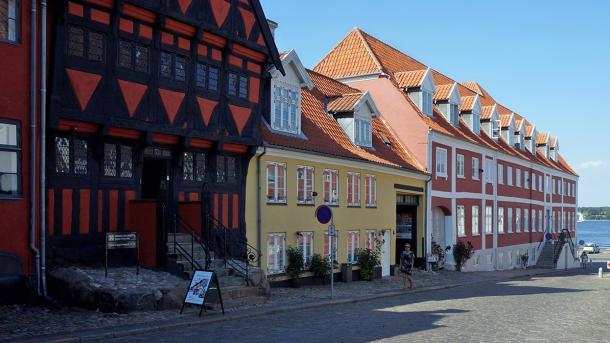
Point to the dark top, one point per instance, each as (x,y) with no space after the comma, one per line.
(406,261)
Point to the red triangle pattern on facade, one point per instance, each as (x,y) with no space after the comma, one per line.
(171,102)
(206,107)
(184,5)
(248,19)
(132,94)
(241,115)
(83,84)
(220,10)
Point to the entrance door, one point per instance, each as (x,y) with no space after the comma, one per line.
(438,227)
(156,186)
(154,178)
(385,254)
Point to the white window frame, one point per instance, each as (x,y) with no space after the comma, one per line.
(13,21)
(370,239)
(305,242)
(363,132)
(286,103)
(459,166)
(278,266)
(517,219)
(475,220)
(500,174)
(355,188)
(327,181)
(534,176)
(353,237)
(540,183)
(526,220)
(461,221)
(510,220)
(488,219)
(475,169)
(489,167)
(302,171)
(278,197)
(509,175)
(540,221)
(534,222)
(500,219)
(426,99)
(370,189)
(518,177)
(526,179)
(441,162)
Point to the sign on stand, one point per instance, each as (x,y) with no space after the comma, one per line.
(123,240)
(608,264)
(198,289)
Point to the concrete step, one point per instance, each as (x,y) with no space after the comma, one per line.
(237,303)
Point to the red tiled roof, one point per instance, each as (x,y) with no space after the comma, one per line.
(519,124)
(360,54)
(554,142)
(408,79)
(529,131)
(330,87)
(487,111)
(542,138)
(443,92)
(505,119)
(323,134)
(344,103)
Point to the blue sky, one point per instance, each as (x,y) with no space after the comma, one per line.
(547,60)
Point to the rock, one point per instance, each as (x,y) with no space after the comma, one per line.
(158,294)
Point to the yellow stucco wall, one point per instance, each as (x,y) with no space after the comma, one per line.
(291,218)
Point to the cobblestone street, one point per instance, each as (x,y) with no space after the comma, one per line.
(564,307)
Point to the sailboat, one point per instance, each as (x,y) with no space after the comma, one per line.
(581,218)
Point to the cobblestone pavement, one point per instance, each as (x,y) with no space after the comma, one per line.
(564,307)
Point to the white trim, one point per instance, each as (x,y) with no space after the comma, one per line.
(291,59)
(489,197)
(365,77)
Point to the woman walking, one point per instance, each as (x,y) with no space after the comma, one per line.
(406,266)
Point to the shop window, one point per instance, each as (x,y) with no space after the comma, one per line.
(276,252)
(305,243)
(9,23)
(276,182)
(305,177)
(10,168)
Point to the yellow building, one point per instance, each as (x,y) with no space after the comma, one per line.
(324,143)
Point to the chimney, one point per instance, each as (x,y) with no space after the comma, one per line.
(272,26)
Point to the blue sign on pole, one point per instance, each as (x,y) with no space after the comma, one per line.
(324,214)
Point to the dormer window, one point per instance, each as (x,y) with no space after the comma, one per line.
(454,114)
(426,102)
(362,132)
(286,108)
(495,129)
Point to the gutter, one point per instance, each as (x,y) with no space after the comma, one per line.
(32,183)
(43,147)
(259,210)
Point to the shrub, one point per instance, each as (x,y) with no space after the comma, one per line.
(369,260)
(295,263)
(319,267)
(461,254)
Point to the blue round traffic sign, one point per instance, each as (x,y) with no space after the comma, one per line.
(324,214)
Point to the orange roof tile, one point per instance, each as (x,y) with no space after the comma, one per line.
(554,141)
(344,103)
(486,99)
(443,92)
(542,138)
(529,131)
(467,103)
(409,79)
(323,134)
(505,119)
(487,112)
(330,87)
(519,124)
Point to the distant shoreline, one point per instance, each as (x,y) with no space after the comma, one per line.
(596,220)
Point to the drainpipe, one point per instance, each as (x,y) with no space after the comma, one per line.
(259,210)
(427,241)
(32,183)
(43,147)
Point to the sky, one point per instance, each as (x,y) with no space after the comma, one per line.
(548,60)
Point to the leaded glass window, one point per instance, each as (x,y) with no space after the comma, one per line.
(243,87)
(166,65)
(187,166)
(231,170)
(76,41)
(220,169)
(110,158)
(200,165)
(80,157)
(96,46)
(125,54)
(232,84)
(141,59)
(212,78)
(180,69)
(9,20)
(62,155)
(126,161)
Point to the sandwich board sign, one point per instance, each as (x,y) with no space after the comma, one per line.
(608,264)
(198,289)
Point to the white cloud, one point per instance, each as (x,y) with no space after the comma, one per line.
(594,164)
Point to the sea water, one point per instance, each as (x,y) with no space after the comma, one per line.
(594,231)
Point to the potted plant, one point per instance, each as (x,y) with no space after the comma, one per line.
(319,267)
(296,265)
(461,254)
(369,262)
(440,254)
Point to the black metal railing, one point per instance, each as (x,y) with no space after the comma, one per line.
(564,238)
(180,228)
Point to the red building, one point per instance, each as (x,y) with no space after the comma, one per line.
(498,182)
(152,114)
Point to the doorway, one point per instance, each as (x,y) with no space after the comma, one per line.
(406,224)
(155,178)
(385,253)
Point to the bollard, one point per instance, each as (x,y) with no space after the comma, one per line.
(600,273)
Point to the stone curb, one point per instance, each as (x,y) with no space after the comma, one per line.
(96,335)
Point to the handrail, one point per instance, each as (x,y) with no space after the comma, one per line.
(571,244)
